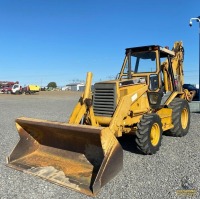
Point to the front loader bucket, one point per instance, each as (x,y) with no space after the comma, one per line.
(80,157)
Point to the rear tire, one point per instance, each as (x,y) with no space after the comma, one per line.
(149,133)
(180,117)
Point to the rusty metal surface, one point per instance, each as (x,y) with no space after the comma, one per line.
(79,157)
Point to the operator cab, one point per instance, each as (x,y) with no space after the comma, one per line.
(143,65)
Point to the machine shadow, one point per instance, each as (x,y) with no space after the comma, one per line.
(128,143)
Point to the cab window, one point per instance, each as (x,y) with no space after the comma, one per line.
(143,62)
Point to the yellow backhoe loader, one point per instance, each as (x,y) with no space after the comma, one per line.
(146,99)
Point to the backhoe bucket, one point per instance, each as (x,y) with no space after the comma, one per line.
(80,157)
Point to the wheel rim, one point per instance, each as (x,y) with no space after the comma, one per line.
(184,118)
(155,134)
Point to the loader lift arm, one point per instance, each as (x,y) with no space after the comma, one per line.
(73,155)
(83,112)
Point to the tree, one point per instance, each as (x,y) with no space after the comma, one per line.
(52,85)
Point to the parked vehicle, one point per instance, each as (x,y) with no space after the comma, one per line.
(30,89)
(6,86)
(6,89)
(16,89)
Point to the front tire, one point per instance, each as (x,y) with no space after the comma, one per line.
(180,117)
(149,133)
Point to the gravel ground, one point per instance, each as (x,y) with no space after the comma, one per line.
(156,176)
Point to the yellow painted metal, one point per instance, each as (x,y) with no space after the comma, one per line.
(79,157)
(123,109)
(93,120)
(188,95)
(166,81)
(172,96)
(155,134)
(103,120)
(132,101)
(184,118)
(75,113)
(129,89)
(87,91)
(142,105)
(33,87)
(177,67)
(121,74)
(80,108)
(130,120)
(165,115)
(80,114)
(129,112)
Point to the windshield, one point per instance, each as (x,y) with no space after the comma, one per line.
(143,62)
(138,62)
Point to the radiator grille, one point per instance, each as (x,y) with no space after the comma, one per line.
(104,99)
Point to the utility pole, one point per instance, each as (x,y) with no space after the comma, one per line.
(197,19)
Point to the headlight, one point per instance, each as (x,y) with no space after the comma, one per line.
(153,98)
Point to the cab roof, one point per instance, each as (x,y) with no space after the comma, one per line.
(163,51)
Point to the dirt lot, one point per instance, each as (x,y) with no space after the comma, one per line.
(45,93)
(176,165)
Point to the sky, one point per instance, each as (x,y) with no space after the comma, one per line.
(61,40)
